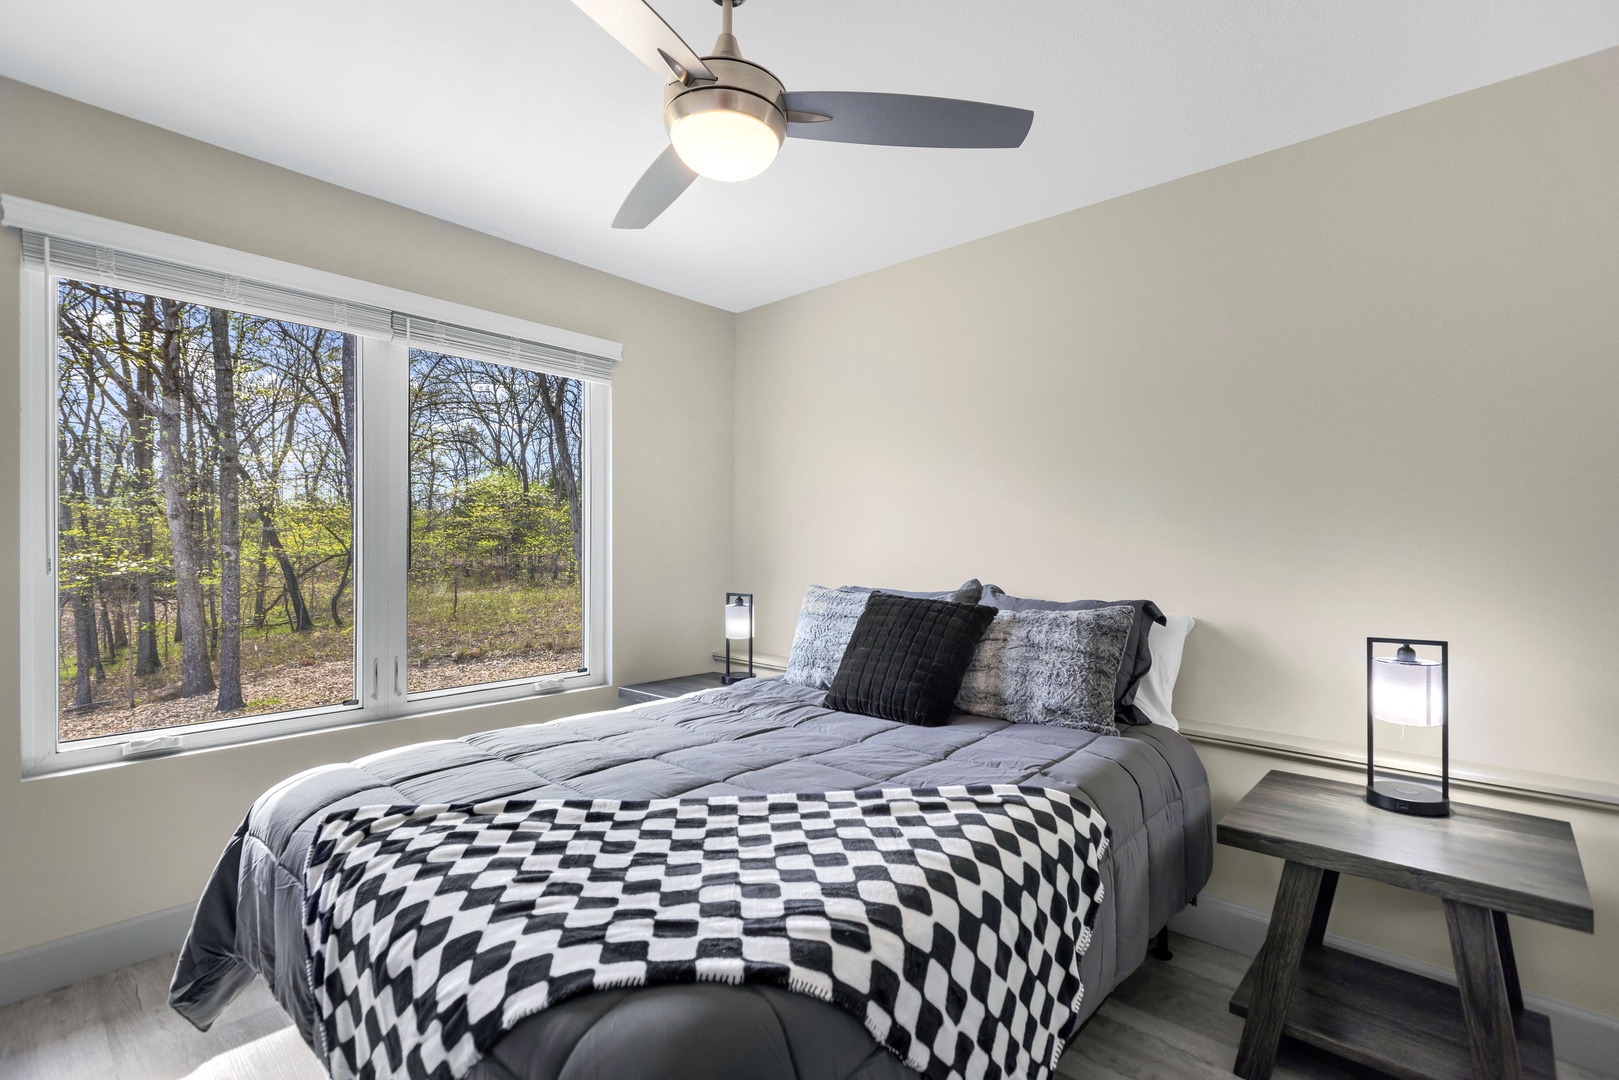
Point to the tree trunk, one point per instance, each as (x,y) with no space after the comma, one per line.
(107,634)
(87,641)
(140,426)
(230,520)
(84,646)
(554,399)
(196,674)
(203,503)
(92,639)
(342,583)
(146,658)
(140,430)
(349,360)
(300,620)
(347,422)
(83,620)
(261,610)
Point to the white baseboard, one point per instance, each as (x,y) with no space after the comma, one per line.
(773,664)
(94,952)
(1582,1037)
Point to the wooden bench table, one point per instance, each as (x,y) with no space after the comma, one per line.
(1483,863)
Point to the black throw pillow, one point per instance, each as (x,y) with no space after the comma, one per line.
(907,657)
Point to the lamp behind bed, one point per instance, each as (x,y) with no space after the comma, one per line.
(738,625)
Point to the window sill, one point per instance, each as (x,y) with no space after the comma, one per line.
(107,753)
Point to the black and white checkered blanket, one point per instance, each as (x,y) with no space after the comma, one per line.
(951,921)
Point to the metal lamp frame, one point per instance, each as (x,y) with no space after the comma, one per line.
(737,676)
(1384,800)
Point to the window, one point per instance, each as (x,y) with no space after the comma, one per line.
(495,523)
(272,501)
(205,522)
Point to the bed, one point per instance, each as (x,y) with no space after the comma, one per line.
(758,737)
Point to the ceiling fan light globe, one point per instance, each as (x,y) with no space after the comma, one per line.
(724,144)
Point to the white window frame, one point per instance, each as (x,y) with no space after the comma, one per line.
(381,498)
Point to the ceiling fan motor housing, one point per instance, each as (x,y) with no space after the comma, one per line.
(740,86)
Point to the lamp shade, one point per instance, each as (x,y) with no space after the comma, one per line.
(724,144)
(1408,690)
(738,621)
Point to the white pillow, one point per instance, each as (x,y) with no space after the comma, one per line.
(1155,694)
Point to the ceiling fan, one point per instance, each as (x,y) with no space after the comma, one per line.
(727,116)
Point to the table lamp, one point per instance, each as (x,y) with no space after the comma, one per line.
(738,625)
(1411,691)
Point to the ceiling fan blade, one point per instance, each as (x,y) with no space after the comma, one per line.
(904,120)
(655,192)
(642,30)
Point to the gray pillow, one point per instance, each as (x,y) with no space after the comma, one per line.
(1049,667)
(969,592)
(1137,655)
(828,618)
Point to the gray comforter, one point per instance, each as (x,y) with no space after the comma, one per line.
(761,737)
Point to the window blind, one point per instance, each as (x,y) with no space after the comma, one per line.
(444,337)
(122,269)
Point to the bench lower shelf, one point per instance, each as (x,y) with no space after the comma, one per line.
(1405,1025)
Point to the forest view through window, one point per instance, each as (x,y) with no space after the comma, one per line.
(262,500)
(496,527)
(205,532)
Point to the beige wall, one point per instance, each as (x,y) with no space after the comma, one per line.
(79,852)
(1361,385)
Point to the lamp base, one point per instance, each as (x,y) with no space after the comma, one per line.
(1405,797)
(735,677)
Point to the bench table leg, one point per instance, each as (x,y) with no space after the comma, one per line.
(1278,963)
(1487,1003)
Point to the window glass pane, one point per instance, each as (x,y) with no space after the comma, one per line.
(494,585)
(205,524)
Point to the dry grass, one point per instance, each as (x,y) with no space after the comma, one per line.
(519,620)
(486,635)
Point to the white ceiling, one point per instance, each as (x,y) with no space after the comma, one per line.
(523,119)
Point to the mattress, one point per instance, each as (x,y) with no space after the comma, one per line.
(758,737)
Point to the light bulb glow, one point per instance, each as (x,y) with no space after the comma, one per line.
(738,621)
(723,144)
(1410,693)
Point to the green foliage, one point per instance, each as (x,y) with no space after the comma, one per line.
(491,529)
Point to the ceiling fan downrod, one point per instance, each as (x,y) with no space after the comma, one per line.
(726,44)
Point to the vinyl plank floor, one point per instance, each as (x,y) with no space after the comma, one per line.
(1168,1021)
(119,1025)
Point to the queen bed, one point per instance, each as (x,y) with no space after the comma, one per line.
(759,737)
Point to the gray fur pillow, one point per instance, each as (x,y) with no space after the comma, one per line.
(827,619)
(1049,667)
(825,622)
